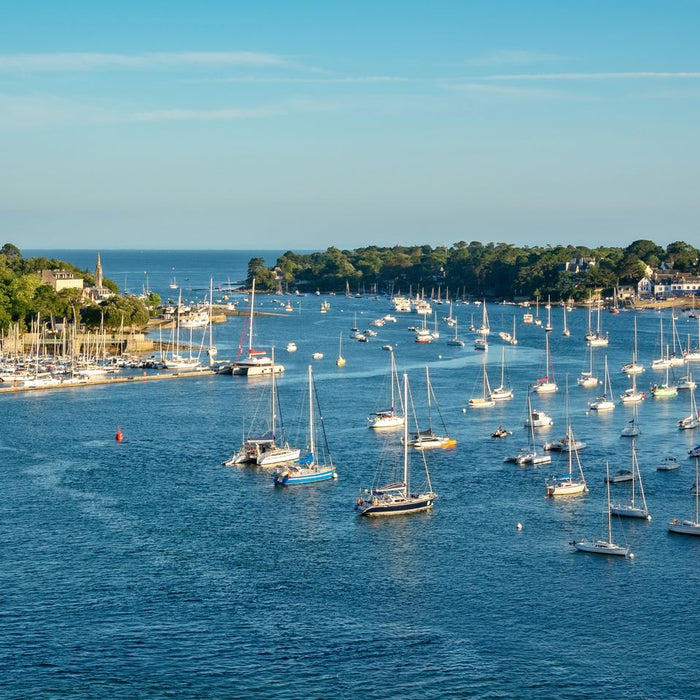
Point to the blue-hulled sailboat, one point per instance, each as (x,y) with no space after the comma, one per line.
(317,464)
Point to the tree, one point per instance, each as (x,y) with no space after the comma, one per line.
(683,256)
(10,251)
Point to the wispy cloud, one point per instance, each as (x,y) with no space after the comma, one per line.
(65,62)
(201,115)
(340,80)
(506,91)
(641,75)
(512,57)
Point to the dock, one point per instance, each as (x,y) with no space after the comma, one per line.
(102,381)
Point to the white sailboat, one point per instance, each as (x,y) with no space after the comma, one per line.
(692,420)
(455,340)
(546,384)
(665,389)
(604,402)
(532,456)
(272,454)
(485,400)
(391,417)
(397,497)
(503,392)
(261,447)
(484,329)
(634,367)
(636,507)
(317,464)
(603,546)
(548,327)
(663,361)
(586,379)
(176,360)
(255,362)
(427,439)
(693,354)
(565,332)
(598,338)
(569,484)
(689,526)
(675,357)
(340,362)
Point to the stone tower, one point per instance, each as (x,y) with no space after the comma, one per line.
(98,273)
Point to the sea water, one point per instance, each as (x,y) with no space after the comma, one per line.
(147,569)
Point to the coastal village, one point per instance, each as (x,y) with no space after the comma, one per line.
(59,354)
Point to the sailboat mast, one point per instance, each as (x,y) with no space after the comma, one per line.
(427,386)
(406,475)
(312,446)
(273,395)
(607,481)
(250,322)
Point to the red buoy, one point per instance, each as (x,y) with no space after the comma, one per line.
(119,436)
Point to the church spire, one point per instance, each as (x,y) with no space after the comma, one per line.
(98,272)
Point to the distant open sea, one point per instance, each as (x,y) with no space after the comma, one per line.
(146,569)
(134,270)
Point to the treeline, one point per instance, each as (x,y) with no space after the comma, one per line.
(23,296)
(494,270)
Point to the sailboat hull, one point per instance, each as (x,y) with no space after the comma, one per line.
(397,505)
(630,511)
(277,456)
(684,527)
(304,476)
(602,547)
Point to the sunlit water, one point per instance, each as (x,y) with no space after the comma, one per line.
(147,569)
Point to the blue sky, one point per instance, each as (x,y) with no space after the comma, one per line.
(307,124)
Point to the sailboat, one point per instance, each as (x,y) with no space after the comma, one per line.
(604,546)
(604,402)
(632,428)
(502,392)
(273,453)
(693,354)
(390,417)
(689,526)
(569,484)
(676,357)
(636,507)
(262,448)
(692,420)
(317,463)
(531,456)
(455,340)
(546,384)
(428,439)
(633,367)
(176,360)
(598,338)
(484,329)
(566,332)
(256,362)
(397,497)
(341,360)
(548,327)
(665,389)
(663,361)
(586,378)
(485,400)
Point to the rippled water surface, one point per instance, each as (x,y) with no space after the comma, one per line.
(147,569)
